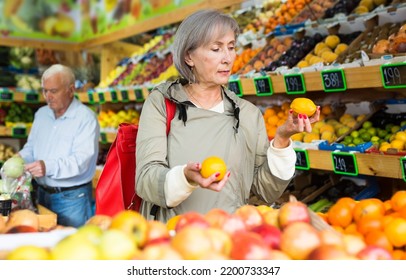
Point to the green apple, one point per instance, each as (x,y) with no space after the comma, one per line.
(133,224)
(75,247)
(29,252)
(90,232)
(117,245)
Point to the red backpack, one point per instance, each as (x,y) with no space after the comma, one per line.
(115,190)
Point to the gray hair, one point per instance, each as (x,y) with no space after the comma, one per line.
(67,75)
(198,30)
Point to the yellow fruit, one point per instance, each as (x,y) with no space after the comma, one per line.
(326,109)
(297,137)
(171,224)
(361,10)
(213,165)
(397,144)
(319,47)
(401,135)
(309,137)
(332,41)
(327,127)
(29,252)
(340,48)
(302,64)
(303,105)
(329,57)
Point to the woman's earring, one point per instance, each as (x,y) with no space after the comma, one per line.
(193,77)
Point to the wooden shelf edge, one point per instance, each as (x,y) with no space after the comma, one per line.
(368,164)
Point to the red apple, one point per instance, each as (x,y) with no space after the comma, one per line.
(191,219)
(299,239)
(249,246)
(271,217)
(233,225)
(270,234)
(192,242)
(157,233)
(353,244)
(293,211)
(21,229)
(331,237)
(250,215)
(216,217)
(329,252)
(133,224)
(279,255)
(373,252)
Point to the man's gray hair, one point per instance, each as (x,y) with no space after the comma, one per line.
(68,77)
(196,30)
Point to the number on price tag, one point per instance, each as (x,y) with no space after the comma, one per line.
(138,95)
(124,95)
(302,159)
(344,163)
(19,132)
(113,96)
(294,83)
(403,166)
(333,80)
(6,96)
(263,86)
(32,97)
(235,86)
(102,100)
(394,75)
(103,137)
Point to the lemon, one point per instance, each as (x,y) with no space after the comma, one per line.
(213,165)
(332,41)
(397,144)
(303,105)
(401,135)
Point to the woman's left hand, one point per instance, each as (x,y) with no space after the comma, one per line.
(294,124)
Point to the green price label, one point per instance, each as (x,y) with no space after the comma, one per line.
(294,83)
(6,96)
(333,80)
(90,97)
(139,96)
(102,100)
(263,86)
(103,137)
(302,159)
(394,75)
(113,96)
(344,163)
(32,97)
(19,132)
(235,86)
(124,96)
(403,166)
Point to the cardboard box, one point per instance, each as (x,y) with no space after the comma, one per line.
(47,218)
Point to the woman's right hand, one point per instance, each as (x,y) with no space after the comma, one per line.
(192,174)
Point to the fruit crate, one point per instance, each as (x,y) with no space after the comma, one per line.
(361,148)
(47,218)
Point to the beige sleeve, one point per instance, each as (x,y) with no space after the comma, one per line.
(282,161)
(177,188)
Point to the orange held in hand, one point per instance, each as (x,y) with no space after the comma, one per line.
(213,165)
(302,105)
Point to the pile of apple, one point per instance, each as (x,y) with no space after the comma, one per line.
(252,232)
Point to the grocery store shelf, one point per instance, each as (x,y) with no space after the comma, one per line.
(368,164)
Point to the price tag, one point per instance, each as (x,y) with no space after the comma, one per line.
(6,96)
(294,83)
(113,95)
(394,75)
(124,95)
(102,100)
(302,159)
(139,96)
(333,80)
(103,137)
(19,132)
(263,86)
(32,97)
(344,163)
(90,97)
(403,166)
(235,86)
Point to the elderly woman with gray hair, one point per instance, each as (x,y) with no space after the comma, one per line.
(210,121)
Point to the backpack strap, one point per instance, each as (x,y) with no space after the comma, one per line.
(170,113)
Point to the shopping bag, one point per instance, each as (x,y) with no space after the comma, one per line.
(115,189)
